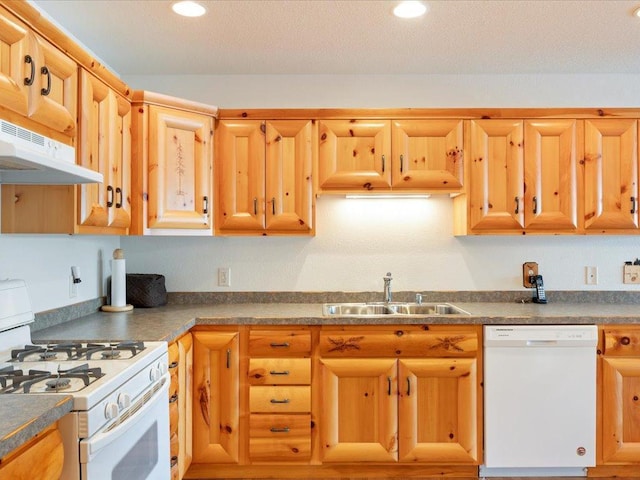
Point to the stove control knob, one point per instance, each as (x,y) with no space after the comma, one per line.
(124,401)
(163,368)
(110,411)
(154,374)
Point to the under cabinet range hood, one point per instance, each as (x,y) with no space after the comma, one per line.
(27,157)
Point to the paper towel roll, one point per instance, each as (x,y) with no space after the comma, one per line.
(118,283)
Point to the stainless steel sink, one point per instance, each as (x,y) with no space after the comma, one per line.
(392,308)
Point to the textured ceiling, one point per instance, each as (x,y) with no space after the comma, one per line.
(139,37)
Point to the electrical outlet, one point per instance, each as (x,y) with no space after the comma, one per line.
(73,288)
(529,269)
(631,274)
(224,277)
(591,275)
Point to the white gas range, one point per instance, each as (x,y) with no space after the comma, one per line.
(119,425)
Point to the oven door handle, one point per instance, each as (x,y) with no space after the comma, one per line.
(89,448)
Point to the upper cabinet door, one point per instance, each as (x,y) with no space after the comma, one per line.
(289,183)
(550,174)
(120,162)
(180,149)
(427,154)
(240,163)
(53,95)
(354,155)
(14,94)
(611,174)
(496,175)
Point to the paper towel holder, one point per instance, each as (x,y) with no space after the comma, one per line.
(118,256)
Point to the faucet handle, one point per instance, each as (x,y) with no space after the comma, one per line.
(419,298)
(388,276)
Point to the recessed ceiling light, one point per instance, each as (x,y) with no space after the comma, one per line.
(188,9)
(636,12)
(410,9)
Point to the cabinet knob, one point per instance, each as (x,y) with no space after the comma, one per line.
(625,340)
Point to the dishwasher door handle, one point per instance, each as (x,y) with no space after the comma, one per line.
(541,343)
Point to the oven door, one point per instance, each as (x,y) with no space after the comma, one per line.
(136,448)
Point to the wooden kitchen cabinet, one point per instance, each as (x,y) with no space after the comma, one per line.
(181,404)
(216,393)
(401,394)
(37,81)
(42,457)
(611,175)
(523,177)
(264,177)
(415,155)
(104,145)
(171,169)
(618,424)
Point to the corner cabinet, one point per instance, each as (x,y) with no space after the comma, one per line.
(171,166)
(216,394)
(264,177)
(104,145)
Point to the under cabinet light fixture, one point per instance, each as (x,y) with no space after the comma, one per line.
(387,195)
(188,9)
(410,9)
(636,12)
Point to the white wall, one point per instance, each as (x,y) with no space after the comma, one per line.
(358,241)
(44,262)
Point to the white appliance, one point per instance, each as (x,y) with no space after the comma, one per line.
(27,157)
(539,400)
(119,425)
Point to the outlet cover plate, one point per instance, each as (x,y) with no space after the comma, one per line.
(631,274)
(529,269)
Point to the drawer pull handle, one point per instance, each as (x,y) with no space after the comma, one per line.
(284,400)
(255,205)
(280,345)
(174,398)
(279,430)
(383,163)
(389,386)
(275,372)
(273,205)
(408,387)
(401,163)
(173,364)
(229,358)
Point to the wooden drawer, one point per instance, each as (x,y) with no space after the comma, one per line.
(399,342)
(279,437)
(621,341)
(278,343)
(280,371)
(279,399)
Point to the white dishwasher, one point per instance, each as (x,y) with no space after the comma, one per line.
(539,400)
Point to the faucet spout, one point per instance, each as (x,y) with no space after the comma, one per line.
(387,287)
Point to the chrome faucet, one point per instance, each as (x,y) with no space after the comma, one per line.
(387,287)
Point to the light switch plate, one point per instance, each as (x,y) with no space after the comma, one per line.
(631,274)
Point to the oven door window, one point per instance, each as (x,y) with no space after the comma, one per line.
(137,448)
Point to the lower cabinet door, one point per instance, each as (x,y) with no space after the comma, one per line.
(438,410)
(359,411)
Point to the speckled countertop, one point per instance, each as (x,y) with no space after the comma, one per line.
(24,416)
(167,323)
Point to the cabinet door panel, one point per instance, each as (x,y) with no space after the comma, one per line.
(13,48)
(57,108)
(289,186)
(179,169)
(240,164)
(120,162)
(496,173)
(620,415)
(359,415)
(611,174)
(550,196)
(185,403)
(215,389)
(427,154)
(438,411)
(354,155)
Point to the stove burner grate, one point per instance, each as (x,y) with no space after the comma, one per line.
(47,352)
(8,373)
(112,350)
(83,372)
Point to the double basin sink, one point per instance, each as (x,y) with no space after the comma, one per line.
(390,308)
